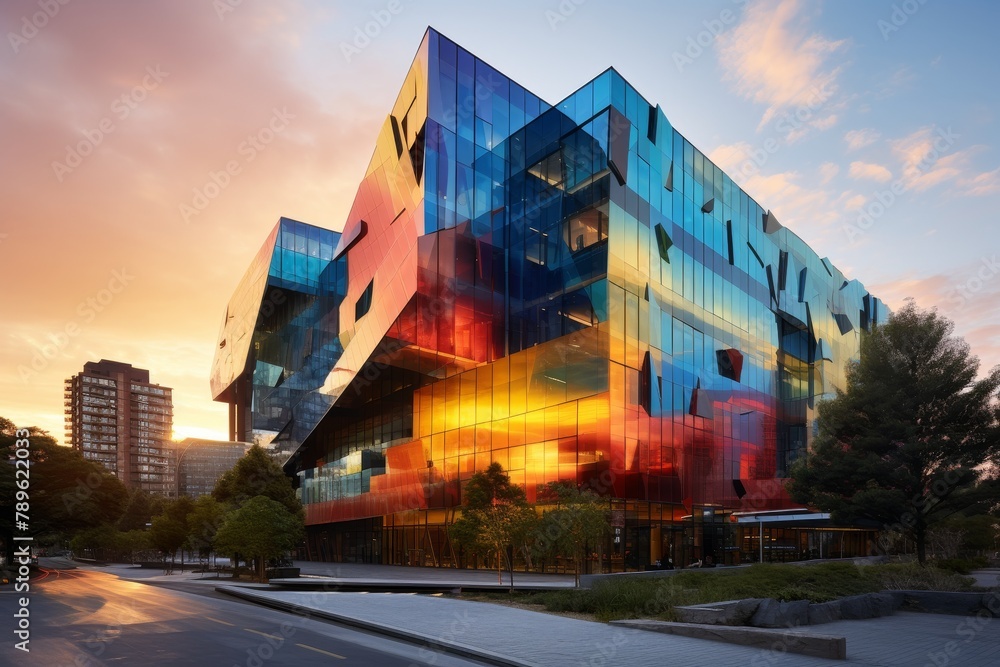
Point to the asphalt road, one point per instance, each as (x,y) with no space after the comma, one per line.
(85,618)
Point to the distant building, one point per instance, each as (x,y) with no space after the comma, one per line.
(117,417)
(200,463)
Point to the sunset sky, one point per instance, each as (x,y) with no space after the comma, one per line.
(870,128)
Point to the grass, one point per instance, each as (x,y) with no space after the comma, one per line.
(632,597)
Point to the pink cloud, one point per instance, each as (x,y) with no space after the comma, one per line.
(220,82)
(774,57)
(869,171)
(857,139)
(963,297)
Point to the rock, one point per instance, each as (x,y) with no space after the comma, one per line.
(898,598)
(868,605)
(732,612)
(773,614)
(887,603)
(769,641)
(824,612)
(945,602)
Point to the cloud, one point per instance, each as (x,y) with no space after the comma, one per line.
(962,296)
(827,171)
(869,171)
(774,57)
(795,204)
(801,131)
(928,158)
(119,208)
(853,202)
(860,138)
(826,122)
(982,184)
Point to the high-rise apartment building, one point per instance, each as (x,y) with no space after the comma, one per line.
(573,290)
(118,418)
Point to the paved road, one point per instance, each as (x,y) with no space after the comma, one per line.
(87,618)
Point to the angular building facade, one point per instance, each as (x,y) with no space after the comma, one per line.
(574,291)
(118,418)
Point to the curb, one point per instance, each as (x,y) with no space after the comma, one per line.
(422,640)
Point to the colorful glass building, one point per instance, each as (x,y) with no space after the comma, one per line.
(574,291)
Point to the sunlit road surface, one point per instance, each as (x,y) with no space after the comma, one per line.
(87,618)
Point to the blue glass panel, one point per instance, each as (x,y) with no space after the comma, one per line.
(530,106)
(617,91)
(487,80)
(501,120)
(484,133)
(443,107)
(602,91)
(464,194)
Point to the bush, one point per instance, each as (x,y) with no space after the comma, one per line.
(913,577)
(962,565)
(630,597)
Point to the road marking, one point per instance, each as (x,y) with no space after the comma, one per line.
(319,650)
(264,634)
(218,621)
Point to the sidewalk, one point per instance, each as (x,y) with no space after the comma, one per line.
(531,638)
(987,578)
(509,636)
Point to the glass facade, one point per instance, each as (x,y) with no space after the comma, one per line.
(574,291)
(279,338)
(200,464)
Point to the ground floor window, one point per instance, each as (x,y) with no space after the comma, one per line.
(643,536)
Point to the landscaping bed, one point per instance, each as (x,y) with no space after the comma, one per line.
(623,598)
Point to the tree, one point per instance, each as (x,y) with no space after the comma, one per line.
(256,474)
(579,520)
(101,542)
(169,531)
(139,510)
(261,529)
(133,541)
(495,514)
(67,492)
(980,533)
(204,522)
(903,444)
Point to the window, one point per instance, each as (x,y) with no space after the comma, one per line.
(585,229)
(364,302)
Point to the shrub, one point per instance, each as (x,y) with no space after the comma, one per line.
(961,565)
(630,597)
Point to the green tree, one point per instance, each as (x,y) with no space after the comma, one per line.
(133,541)
(204,522)
(261,529)
(903,443)
(495,516)
(168,535)
(101,542)
(579,521)
(67,493)
(256,474)
(981,533)
(169,531)
(139,510)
